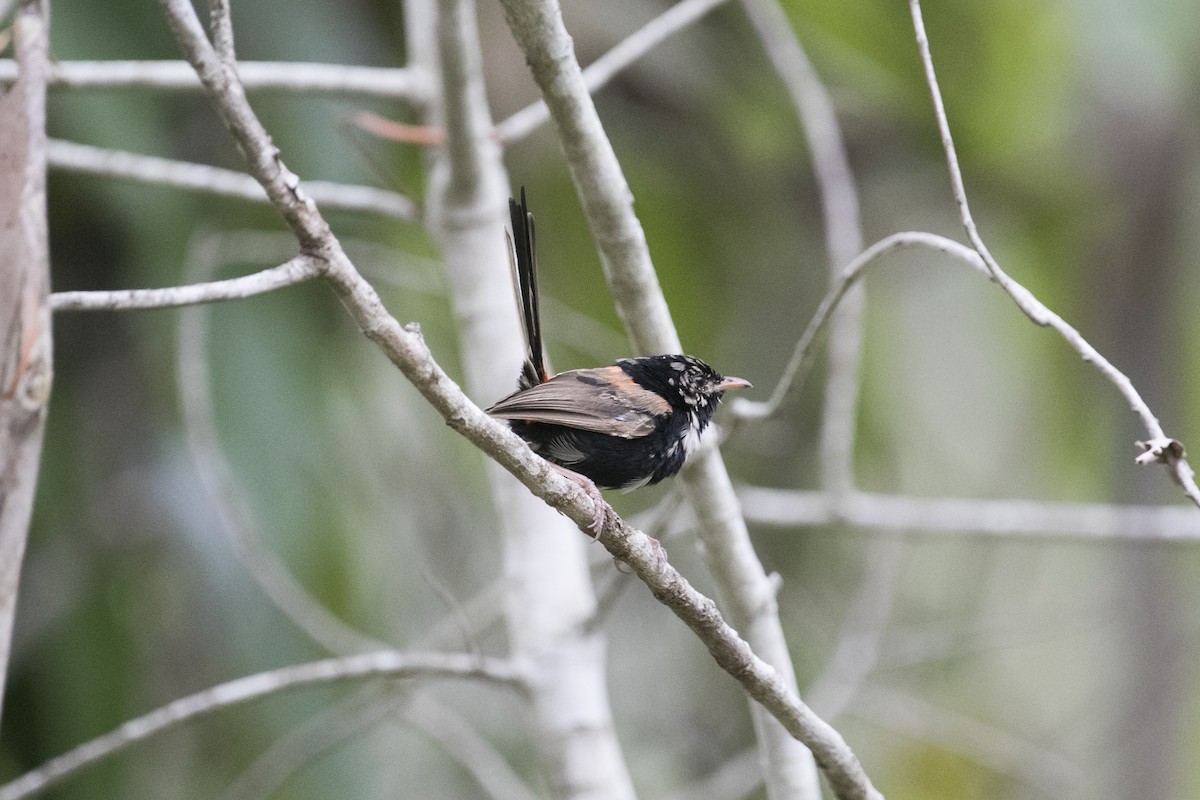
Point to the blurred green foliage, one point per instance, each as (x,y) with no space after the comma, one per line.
(1076,126)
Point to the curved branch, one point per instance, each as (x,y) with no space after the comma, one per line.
(1160,447)
(797,368)
(385,664)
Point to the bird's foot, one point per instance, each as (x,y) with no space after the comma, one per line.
(601,510)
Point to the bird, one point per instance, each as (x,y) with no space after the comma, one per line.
(624,426)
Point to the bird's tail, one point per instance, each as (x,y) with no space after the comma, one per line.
(524,267)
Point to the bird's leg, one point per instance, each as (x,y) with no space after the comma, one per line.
(601,507)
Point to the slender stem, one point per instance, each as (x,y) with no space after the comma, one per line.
(597,74)
(789,509)
(1160,447)
(384,664)
(797,368)
(336,79)
(298,270)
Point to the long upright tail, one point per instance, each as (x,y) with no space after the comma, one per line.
(525,274)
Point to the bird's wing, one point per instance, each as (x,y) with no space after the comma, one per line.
(604,400)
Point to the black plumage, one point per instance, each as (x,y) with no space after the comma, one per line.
(624,426)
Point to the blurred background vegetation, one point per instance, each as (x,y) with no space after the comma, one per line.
(1077,126)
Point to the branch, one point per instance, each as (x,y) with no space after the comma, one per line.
(405,347)
(797,368)
(604,194)
(25,328)
(214,180)
(385,664)
(1160,447)
(576,739)
(336,79)
(788,508)
(298,270)
(597,74)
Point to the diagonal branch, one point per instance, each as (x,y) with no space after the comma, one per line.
(383,664)
(25,327)
(597,74)
(747,591)
(407,350)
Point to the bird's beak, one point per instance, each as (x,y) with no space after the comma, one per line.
(733,383)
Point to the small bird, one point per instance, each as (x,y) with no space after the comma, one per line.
(621,427)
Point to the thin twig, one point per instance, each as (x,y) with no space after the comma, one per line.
(215,180)
(597,74)
(335,79)
(298,270)
(797,368)
(1160,447)
(385,664)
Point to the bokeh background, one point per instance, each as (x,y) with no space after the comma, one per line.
(1003,668)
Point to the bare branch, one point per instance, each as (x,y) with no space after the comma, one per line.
(597,74)
(214,180)
(385,664)
(788,508)
(25,329)
(604,194)
(547,609)
(1160,447)
(298,270)
(599,181)
(221,23)
(797,368)
(337,79)
(406,349)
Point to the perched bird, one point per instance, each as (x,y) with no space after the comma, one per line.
(620,427)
